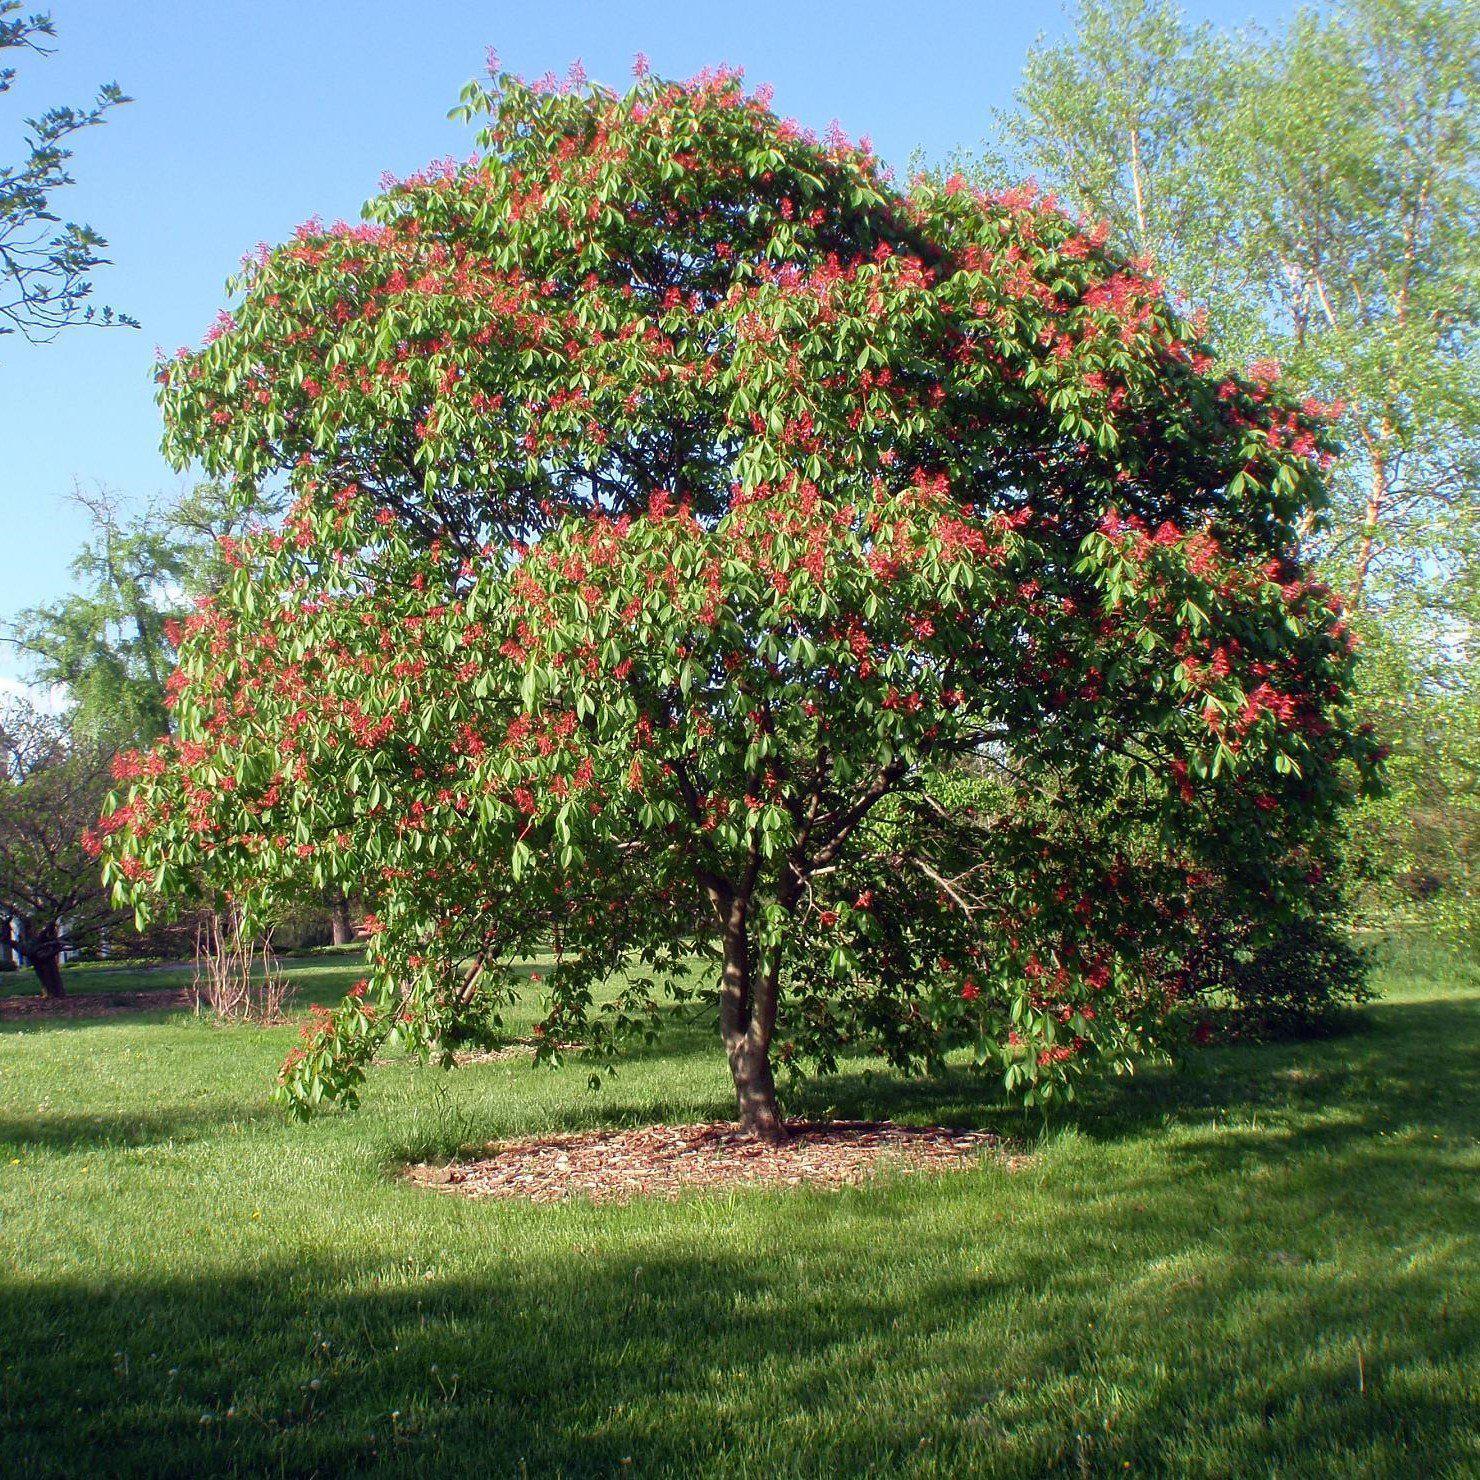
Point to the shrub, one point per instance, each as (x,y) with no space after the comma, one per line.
(1291,985)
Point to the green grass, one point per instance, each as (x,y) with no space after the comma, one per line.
(317,976)
(1260,1264)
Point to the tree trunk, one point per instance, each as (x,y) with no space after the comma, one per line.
(1140,197)
(1377,499)
(340,923)
(41,948)
(7,953)
(755,1090)
(1367,545)
(49,974)
(747,1015)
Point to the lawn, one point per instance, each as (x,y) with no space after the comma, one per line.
(318,976)
(1261,1263)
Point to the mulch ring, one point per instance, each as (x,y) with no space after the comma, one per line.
(97,1004)
(666,1160)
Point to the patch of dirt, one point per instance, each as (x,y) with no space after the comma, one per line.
(96,1004)
(521,1049)
(666,1160)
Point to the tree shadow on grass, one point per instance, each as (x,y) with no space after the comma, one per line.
(802,1345)
(91,993)
(1275,1288)
(1368,1081)
(178,1013)
(80,1132)
(1382,1073)
(134,1017)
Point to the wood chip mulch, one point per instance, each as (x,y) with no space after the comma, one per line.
(97,1004)
(666,1160)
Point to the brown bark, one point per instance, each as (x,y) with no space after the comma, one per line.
(340,923)
(747,1017)
(49,974)
(755,1091)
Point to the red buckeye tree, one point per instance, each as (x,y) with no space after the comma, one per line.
(701,545)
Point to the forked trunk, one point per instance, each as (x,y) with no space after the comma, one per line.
(747,1015)
(755,1091)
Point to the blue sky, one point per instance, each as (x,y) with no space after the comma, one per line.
(252,115)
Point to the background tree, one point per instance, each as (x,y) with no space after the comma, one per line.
(1315,193)
(109,645)
(678,506)
(1118,118)
(52,783)
(1414,853)
(46,264)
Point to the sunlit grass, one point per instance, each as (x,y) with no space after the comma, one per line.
(1260,1263)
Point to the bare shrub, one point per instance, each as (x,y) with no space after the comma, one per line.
(236,973)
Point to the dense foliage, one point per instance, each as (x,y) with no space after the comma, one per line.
(1297,983)
(1313,191)
(679,507)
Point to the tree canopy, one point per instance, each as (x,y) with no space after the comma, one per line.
(701,543)
(1314,192)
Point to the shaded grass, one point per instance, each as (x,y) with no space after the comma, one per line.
(1261,1262)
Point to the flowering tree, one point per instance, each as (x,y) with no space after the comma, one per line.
(700,544)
